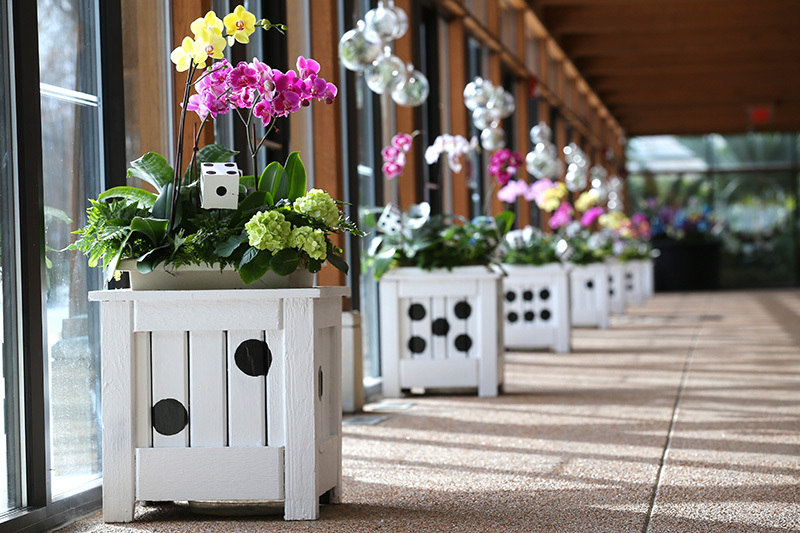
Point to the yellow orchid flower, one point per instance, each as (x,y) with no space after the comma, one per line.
(240,25)
(210,22)
(208,44)
(586,200)
(184,55)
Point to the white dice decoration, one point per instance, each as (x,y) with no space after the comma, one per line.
(391,220)
(219,185)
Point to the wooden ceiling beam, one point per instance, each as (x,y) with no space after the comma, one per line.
(740,15)
(688,125)
(641,42)
(785,82)
(680,63)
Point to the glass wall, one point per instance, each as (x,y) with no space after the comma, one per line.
(738,190)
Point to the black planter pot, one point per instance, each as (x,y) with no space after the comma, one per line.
(686,266)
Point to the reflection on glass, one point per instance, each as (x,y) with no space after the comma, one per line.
(72,172)
(10,463)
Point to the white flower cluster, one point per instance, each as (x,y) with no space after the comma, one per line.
(455,146)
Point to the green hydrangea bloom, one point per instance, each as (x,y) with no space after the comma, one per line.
(310,241)
(318,204)
(268,230)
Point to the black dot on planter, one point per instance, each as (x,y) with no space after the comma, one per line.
(416,344)
(511,296)
(512,317)
(229,164)
(463,310)
(231,172)
(630,287)
(611,292)
(544,314)
(207,164)
(222,191)
(169,416)
(590,284)
(544,294)
(529,316)
(440,326)
(253,357)
(319,378)
(416,312)
(211,172)
(628,275)
(463,343)
(527,296)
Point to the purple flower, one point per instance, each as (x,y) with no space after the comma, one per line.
(504,164)
(402,141)
(243,77)
(511,191)
(307,67)
(590,216)
(561,216)
(264,111)
(392,169)
(266,86)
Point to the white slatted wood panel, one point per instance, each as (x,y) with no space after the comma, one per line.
(118,423)
(391,348)
(144,401)
(276,396)
(247,399)
(438,342)
(208,389)
(489,336)
(420,329)
(458,326)
(207,315)
(170,374)
(166,474)
(302,419)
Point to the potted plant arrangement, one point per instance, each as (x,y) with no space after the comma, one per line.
(440,300)
(634,252)
(219,394)
(535,292)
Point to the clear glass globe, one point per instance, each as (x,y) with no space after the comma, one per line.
(493,139)
(381,23)
(402,21)
(386,74)
(414,90)
(476,93)
(481,118)
(356,50)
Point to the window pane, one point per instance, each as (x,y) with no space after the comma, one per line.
(67,49)
(10,471)
(72,172)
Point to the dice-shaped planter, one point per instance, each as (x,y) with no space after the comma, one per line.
(536,307)
(634,281)
(441,329)
(221,395)
(616,286)
(589,299)
(219,185)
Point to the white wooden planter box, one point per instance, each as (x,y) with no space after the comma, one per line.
(634,281)
(536,302)
(616,286)
(589,299)
(441,329)
(221,395)
(648,278)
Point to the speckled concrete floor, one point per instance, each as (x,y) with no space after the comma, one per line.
(684,416)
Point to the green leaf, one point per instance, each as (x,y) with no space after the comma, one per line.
(211,153)
(226,248)
(382,263)
(504,221)
(143,198)
(255,200)
(154,228)
(256,268)
(296,173)
(248,256)
(271,174)
(338,263)
(164,203)
(313,265)
(153,169)
(249,182)
(285,262)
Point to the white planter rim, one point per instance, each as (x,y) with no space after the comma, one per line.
(471,272)
(549,268)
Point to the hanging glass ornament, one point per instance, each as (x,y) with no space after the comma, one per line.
(493,139)
(356,50)
(575,180)
(386,74)
(413,91)
(481,118)
(598,182)
(476,93)
(402,20)
(381,23)
(541,133)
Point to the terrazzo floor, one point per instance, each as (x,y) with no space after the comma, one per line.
(684,416)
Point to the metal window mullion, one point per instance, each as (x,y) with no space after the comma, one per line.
(24,65)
